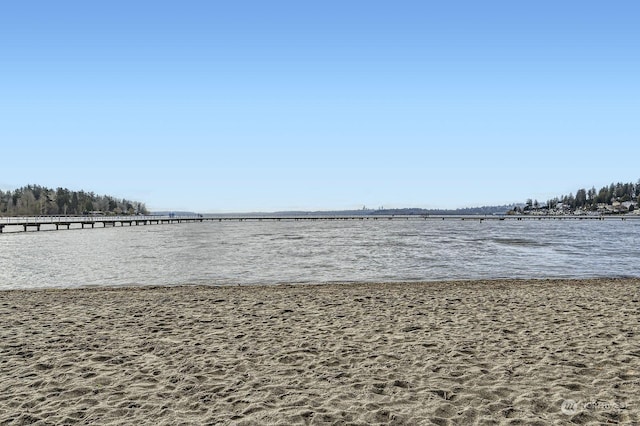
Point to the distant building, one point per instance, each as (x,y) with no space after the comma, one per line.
(627,206)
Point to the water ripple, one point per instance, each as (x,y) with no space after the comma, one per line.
(222,253)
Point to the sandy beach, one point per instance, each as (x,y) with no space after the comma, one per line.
(478,352)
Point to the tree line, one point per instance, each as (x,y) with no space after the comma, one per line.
(589,199)
(33,200)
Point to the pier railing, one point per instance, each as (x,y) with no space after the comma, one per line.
(18,220)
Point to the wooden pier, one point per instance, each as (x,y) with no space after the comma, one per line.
(52,223)
(479,218)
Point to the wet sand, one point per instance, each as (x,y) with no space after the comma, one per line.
(478,352)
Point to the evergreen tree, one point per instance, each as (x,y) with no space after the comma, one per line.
(581,198)
(37,200)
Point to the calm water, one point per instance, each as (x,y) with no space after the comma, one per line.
(217,253)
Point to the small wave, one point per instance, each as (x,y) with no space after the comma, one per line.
(288,237)
(405,234)
(519,242)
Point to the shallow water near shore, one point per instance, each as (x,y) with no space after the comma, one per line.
(249,253)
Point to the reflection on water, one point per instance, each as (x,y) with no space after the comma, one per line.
(324,251)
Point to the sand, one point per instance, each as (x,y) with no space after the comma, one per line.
(482,352)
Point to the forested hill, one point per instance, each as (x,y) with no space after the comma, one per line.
(485,210)
(592,199)
(38,200)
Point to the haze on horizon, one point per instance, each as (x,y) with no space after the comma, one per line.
(282,105)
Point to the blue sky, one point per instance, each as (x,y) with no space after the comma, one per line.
(215,106)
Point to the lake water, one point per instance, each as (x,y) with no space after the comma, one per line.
(269,252)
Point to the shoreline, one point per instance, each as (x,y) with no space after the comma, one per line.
(311,284)
(443,352)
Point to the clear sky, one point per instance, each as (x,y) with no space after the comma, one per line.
(217,106)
